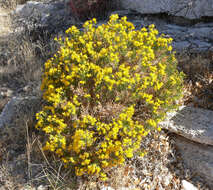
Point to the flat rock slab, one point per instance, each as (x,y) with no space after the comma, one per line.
(195,124)
(189,9)
(193,38)
(197,157)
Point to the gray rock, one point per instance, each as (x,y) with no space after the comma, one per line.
(197,157)
(190,9)
(195,124)
(176,27)
(192,38)
(34,8)
(181,46)
(198,45)
(17,112)
(53,17)
(201,32)
(147,7)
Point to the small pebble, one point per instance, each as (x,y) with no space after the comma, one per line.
(188,186)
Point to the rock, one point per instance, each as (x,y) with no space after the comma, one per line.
(5,92)
(188,186)
(15,115)
(195,124)
(201,31)
(194,140)
(194,38)
(53,17)
(181,46)
(5,95)
(197,157)
(34,8)
(184,8)
(120,188)
(107,188)
(42,187)
(198,45)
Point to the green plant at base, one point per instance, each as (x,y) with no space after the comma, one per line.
(105,89)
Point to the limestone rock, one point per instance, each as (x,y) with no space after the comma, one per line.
(37,18)
(194,38)
(51,16)
(192,123)
(17,112)
(188,186)
(197,157)
(33,8)
(189,9)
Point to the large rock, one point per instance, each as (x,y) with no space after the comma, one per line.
(197,157)
(193,139)
(190,9)
(36,9)
(51,16)
(195,124)
(194,38)
(17,113)
(54,18)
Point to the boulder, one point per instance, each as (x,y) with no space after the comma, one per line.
(17,113)
(193,128)
(35,8)
(193,38)
(189,9)
(195,124)
(50,16)
(197,157)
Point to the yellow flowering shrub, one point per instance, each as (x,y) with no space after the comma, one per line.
(105,89)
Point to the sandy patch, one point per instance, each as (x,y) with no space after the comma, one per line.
(5,22)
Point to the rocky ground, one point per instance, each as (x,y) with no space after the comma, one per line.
(23,165)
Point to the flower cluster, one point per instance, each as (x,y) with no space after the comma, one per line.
(105,89)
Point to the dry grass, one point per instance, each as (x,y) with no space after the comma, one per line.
(161,168)
(19,62)
(199,79)
(22,58)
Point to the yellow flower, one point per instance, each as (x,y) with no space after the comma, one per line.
(104,89)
